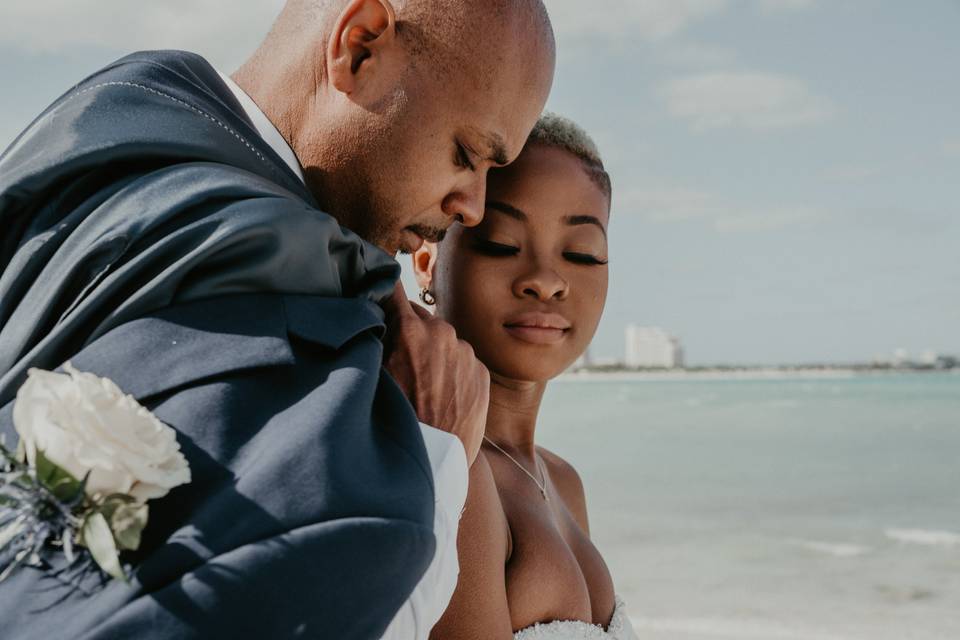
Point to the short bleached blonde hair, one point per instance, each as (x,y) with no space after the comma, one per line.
(553,130)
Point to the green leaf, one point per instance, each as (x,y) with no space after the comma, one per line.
(59,482)
(112,502)
(66,490)
(24,481)
(99,540)
(128,521)
(117,498)
(44,468)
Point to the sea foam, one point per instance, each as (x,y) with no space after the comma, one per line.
(835,549)
(926,537)
(740,629)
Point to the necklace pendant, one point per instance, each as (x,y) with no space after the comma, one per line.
(543,492)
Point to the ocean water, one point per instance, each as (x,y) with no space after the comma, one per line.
(772,509)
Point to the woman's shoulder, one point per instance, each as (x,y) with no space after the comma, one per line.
(568,484)
(483,512)
(562,473)
(479,607)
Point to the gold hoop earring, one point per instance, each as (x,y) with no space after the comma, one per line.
(427,297)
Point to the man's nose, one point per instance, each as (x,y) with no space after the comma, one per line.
(543,283)
(467,204)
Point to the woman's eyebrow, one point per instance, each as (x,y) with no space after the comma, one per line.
(511,211)
(575,221)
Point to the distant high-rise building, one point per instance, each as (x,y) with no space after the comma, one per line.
(900,357)
(652,347)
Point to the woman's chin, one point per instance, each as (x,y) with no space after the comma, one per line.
(521,360)
(523,367)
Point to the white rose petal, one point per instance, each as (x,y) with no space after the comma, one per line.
(86,424)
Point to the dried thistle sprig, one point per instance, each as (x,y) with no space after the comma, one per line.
(36,521)
(45,506)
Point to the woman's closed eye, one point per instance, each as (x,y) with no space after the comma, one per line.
(499,249)
(494,249)
(583,258)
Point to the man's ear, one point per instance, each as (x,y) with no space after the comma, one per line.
(424,260)
(360,35)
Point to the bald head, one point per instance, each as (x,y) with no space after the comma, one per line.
(450,34)
(442,34)
(366,91)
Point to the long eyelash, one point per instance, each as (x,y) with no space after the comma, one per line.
(463,157)
(583,258)
(495,249)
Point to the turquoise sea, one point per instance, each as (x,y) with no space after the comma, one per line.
(784,509)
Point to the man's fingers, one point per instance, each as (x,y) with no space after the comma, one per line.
(421,312)
(397,305)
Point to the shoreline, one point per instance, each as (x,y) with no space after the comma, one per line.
(757,373)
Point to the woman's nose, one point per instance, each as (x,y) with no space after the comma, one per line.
(544,284)
(467,204)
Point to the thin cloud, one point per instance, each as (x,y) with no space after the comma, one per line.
(668,204)
(647,19)
(224,30)
(951,148)
(757,101)
(688,55)
(851,173)
(768,219)
(226,27)
(56,25)
(651,20)
(681,205)
(781,6)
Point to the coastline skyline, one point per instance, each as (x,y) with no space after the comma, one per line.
(785,171)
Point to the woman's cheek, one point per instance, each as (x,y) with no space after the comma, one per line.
(462,289)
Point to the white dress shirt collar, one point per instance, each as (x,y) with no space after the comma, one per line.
(264,127)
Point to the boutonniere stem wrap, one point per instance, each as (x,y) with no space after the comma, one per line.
(88,461)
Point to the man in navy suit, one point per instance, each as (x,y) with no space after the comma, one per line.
(221,247)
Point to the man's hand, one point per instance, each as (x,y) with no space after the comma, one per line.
(446,384)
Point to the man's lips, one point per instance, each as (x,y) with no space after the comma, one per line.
(414,236)
(538,328)
(411,241)
(427,233)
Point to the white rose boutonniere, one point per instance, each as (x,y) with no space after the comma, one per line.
(89,459)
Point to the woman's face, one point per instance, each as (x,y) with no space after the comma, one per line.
(527,286)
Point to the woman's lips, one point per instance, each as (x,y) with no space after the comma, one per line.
(538,328)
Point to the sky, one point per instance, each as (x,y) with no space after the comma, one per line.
(786,172)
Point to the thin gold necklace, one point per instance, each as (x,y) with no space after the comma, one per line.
(536,461)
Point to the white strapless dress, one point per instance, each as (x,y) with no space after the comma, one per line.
(619,629)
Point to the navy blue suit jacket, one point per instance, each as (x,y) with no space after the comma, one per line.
(310,510)
(247,324)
